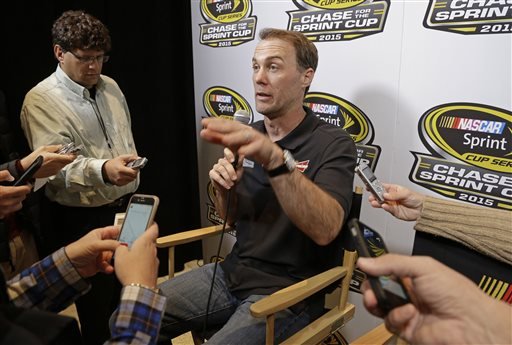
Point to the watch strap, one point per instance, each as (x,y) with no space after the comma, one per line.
(282,169)
(287,167)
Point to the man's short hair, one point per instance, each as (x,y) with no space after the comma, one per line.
(305,50)
(80,30)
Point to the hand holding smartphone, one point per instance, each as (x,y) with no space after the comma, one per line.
(370,180)
(390,293)
(29,173)
(139,215)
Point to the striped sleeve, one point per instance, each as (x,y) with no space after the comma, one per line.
(51,284)
(138,318)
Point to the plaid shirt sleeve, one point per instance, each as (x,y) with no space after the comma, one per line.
(51,284)
(138,318)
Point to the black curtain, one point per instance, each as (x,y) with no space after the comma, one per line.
(151,60)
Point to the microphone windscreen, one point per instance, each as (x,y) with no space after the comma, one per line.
(242,116)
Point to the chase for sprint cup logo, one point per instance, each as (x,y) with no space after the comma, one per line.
(343,114)
(222,102)
(338,20)
(470,17)
(471,154)
(228,22)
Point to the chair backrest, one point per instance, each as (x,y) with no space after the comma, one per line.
(358,276)
(357,198)
(355,212)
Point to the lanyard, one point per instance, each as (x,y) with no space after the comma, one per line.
(102,124)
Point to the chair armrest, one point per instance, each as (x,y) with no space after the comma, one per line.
(173,240)
(379,335)
(295,293)
(188,236)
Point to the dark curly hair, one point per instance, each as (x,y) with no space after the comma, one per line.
(80,30)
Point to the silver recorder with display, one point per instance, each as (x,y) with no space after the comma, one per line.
(70,148)
(370,180)
(138,163)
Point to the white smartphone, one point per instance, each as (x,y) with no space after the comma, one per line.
(139,216)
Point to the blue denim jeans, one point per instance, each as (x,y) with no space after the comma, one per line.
(187,295)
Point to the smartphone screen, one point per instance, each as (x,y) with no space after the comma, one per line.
(389,292)
(139,216)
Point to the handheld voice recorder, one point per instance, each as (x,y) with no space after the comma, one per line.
(370,180)
(138,163)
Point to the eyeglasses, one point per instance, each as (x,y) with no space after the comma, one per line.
(90,59)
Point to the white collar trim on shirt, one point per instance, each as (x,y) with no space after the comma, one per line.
(73,86)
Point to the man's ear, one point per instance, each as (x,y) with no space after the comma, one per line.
(308,77)
(58,52)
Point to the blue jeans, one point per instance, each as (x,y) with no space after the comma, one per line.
(187,295)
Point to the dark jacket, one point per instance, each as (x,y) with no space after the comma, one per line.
(28,216)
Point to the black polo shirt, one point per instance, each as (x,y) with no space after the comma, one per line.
(270,252)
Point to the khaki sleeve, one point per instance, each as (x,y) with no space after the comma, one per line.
(486,230)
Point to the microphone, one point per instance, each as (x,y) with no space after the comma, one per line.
(243,117)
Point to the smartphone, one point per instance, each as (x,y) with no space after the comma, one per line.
(138,163)
(370,180)
(29,173)
(390,293)
(139,215)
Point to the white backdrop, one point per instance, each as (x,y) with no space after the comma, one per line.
(393,71)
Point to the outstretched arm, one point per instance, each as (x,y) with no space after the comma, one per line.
(448,309)
(53,162)
(485,230)
(56,281)
(401,202)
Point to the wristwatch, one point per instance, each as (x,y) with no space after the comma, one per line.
(287,167)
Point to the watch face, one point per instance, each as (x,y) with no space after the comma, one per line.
(289,160)
(287,167)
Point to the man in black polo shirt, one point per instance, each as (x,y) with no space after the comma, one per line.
(291,192)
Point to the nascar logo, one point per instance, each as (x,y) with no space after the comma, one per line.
(475,125)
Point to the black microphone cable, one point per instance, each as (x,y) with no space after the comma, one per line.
(228,199)
(242,116)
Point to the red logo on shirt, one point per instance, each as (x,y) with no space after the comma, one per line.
(302,165)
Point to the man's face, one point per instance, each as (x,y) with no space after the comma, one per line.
(82,66)
(279,83)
